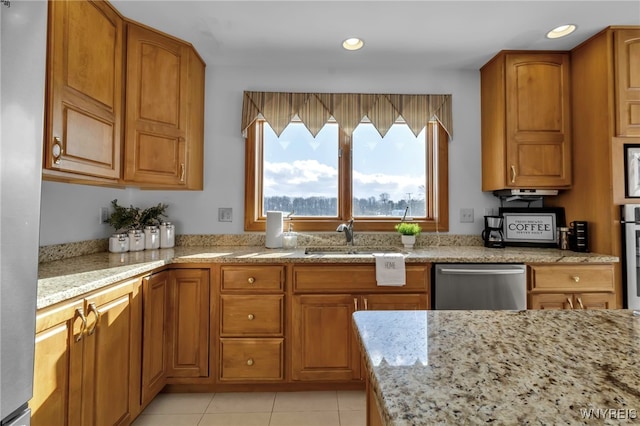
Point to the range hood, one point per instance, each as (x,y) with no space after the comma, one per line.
(524,194)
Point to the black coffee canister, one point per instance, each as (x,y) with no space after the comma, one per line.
(579,236)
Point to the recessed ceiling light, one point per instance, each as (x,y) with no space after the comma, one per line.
(353,43)
(561,31)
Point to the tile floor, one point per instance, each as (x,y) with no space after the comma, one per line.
(331,408)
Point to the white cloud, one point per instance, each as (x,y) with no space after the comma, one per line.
(306,178)
(302,178)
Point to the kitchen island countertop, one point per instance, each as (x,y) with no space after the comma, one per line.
(502,367)
(64,279)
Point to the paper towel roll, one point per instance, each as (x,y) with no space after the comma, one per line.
(274,230)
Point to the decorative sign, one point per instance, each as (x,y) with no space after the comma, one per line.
(535,227)
(632,171)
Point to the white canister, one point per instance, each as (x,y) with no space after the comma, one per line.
(151,237)
(118,243)
(167,235)
(273,231)
(136,240)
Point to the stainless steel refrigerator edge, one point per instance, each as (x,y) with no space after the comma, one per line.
(630,220)
(22,74)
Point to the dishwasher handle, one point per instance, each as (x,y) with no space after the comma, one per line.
(450,271)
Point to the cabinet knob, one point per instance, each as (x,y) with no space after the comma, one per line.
(251,280)
(250,317)
(250,361)
(576,278)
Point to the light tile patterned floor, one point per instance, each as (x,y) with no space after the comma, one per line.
(331,408)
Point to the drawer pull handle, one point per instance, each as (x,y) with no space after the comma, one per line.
(576,278)
(80,314)
(56,150)
(92,308)
(366,304)
(570,302)
(355,303)
(250,317)
(513,174)
(580,303)
(250,362)
(251,280)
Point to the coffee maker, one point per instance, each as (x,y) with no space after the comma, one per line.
(492,233)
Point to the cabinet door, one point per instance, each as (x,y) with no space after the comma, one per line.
(394,302)
(251,360)
(188,325)
(84,92)
(58,366)
(155,296)
(538,124)
(156,114)
(113,319)
(323,345)
(551,301)
(627,57)
(595,301)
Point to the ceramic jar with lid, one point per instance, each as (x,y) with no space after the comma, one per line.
(136,240)
(151,237)
(167,235)
(119,243)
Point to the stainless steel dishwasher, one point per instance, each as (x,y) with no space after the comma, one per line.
(480,286)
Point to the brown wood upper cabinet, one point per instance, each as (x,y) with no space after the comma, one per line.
(83,124)
(159,143)
(627,66)
(165,107)
(526,121)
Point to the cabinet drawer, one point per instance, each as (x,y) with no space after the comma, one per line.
(251,359)
(251,315)
(252,278)
(353,278)
(571,278)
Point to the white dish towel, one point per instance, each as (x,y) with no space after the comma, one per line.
(390,269)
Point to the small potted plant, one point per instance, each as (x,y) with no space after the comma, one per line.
(408,232)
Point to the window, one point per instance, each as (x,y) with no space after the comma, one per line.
(328,179)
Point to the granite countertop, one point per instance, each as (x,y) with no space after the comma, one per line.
(67,278)
(503,367)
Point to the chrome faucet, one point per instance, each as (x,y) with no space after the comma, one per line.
(347,228)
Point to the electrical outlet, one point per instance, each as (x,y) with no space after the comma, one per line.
(466,215)
(104,215)
(225,214)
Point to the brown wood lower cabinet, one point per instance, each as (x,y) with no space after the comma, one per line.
(572,301)
(85,359)
(155,296)
(247,359)
(323,342)
(188,325)
(252,324)
(571,287)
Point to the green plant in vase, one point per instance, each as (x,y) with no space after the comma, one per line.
(122,219)
(151,216)
(408,232)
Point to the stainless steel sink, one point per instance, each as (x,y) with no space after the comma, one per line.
(353,251)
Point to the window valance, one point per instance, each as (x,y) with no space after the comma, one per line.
(348,109)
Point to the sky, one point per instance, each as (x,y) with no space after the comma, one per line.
(299,165)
